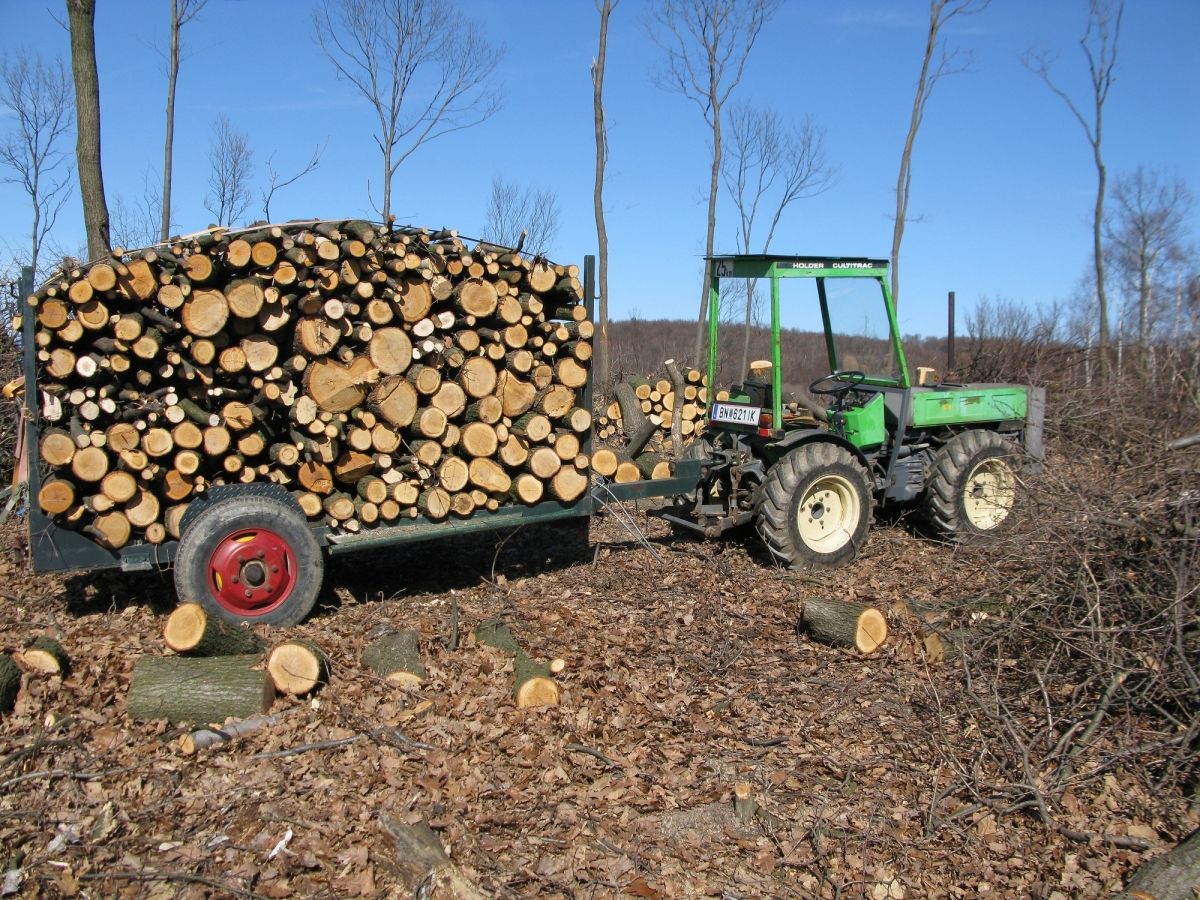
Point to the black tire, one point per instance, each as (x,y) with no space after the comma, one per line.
(281,551)
(972,490)
(796,485)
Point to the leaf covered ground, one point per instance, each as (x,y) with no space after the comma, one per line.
(684,676)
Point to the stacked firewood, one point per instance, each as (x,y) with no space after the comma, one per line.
(378,374)
(654,398)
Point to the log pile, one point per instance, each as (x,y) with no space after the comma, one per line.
(653,398)
(378,374)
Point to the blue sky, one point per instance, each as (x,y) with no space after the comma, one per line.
(1003,178)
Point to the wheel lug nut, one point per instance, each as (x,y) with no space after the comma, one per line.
(274,568)
(261,554)
(241,559)
(234,579)
(249,593)
(270,589)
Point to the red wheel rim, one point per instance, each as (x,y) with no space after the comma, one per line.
(252,572)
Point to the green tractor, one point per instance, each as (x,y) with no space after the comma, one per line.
(810,478)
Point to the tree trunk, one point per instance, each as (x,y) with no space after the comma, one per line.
(198,689)
(602,355)
(48,656)
(1098,246)
(168,152)
(904,180)
(81,16)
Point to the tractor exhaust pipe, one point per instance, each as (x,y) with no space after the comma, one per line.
(950,338)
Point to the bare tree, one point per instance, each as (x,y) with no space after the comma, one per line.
(231,164)
(707,43)
(950,62)
(424,68)
(182,12)
(81,16)
(37,95)
(521,216)
(1099,43)
(770,164)
(1146,232)
(277,181)
(602,357)
(135,222)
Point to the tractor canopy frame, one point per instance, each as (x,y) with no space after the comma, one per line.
(774,267)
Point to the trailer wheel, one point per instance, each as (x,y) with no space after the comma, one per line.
(815,507)
(973,487)
(250,559)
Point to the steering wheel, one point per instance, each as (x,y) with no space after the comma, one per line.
(839,387)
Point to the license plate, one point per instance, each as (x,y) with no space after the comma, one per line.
(736,414)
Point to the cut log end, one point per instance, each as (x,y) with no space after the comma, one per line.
(296,667)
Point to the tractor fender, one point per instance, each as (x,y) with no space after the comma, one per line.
(815,436)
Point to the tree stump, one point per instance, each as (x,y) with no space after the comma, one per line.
(841,623)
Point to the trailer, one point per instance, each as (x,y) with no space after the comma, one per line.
(246,551)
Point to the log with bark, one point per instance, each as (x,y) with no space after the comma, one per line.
(423,868)
(314,355)
(1173,876)
(533,684)
(198,689)
(843,623)
(396,658)
(10,683)
(46,655)
(190,631)
(204,738)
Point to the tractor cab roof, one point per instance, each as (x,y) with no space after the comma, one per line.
(777,266)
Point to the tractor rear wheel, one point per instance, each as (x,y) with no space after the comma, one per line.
(815,507)
(973,487)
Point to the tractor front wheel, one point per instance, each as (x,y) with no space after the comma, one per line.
(973,488)
(815,507)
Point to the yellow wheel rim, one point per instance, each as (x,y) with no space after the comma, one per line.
(828,514)
(990,492)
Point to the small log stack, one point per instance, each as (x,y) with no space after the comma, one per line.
(640,398)
(378,373)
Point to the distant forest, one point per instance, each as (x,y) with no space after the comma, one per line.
(640,346)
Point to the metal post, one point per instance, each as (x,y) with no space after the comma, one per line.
(950,338)
(714,300)
(776,360)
